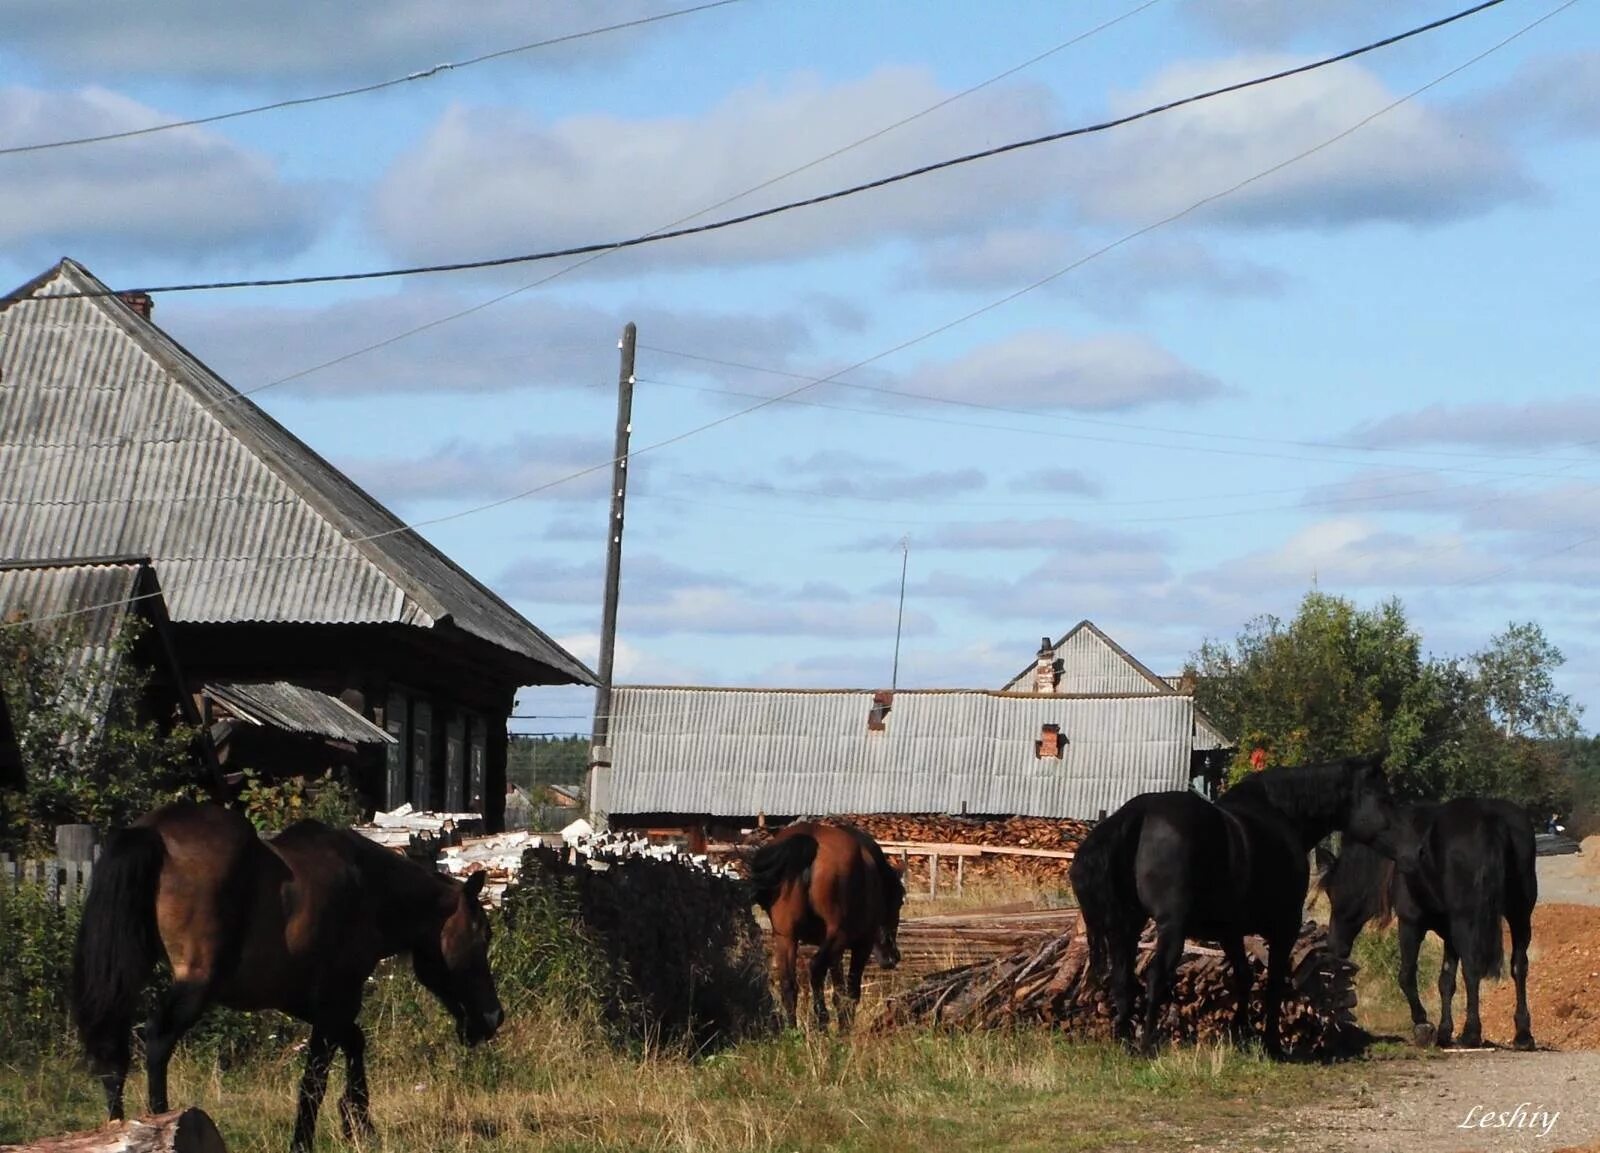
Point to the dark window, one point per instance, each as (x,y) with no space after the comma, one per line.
(455,765)
(394,723)
(421,758)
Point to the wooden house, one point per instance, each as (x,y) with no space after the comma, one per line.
(285,583)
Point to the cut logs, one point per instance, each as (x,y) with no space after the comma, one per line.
(1049,983)
(180,1131)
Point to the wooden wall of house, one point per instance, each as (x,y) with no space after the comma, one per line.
(439,676)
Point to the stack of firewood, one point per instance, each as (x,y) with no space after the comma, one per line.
(1011,832)
(1050,984)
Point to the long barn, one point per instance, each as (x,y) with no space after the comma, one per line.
(683,755)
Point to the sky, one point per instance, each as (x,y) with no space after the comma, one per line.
(1168,377)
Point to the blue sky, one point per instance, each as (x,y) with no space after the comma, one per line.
(1372,370)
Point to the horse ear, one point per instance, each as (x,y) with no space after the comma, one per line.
(474,886)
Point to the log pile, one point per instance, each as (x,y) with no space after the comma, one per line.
(1012,832)
(1049,984)
(180,1131)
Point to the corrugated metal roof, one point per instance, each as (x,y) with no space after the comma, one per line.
(116,587)
(297,709)
(114,439)
(737,752)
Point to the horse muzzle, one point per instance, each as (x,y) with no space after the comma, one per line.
(887,955)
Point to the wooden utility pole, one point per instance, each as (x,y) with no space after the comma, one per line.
(601,738)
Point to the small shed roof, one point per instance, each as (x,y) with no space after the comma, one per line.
(296,709)
(738,752)
(115,439)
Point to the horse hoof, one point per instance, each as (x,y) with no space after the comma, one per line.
(1471,1041)
(1524,1043)
(1422,1035)
(1444,1041)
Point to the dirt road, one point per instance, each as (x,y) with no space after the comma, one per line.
(1438,1104)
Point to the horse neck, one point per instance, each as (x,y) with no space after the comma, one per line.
(407,898)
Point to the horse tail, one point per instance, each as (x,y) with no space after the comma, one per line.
(1487,892)
(117,944)
(1102,881)
(774,864)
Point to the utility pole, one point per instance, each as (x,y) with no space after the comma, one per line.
(905,555)
(600,752)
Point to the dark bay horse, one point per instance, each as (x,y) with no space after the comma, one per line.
(832,887)
(1474,865)
(296,924)
(1217,871)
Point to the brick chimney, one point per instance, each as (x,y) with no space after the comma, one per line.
(140,302)
(1044,669)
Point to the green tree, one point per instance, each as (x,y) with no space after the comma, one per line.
(1327,684)
(1517,672)
(1338,680)
(92,750)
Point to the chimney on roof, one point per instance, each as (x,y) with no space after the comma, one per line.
(1044,668)
(140,302)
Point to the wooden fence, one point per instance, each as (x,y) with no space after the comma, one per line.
(66,881)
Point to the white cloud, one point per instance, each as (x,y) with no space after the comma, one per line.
(636,664)
(1056,481)
(1278,21)
(1007,258)
(1416,164)
(529,341)
(180,195)
(476,470)
(1533,424)
(1044,368)
(490,180)
(272,41)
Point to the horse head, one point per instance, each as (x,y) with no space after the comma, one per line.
(1373,816)
(886,950)
(453,964)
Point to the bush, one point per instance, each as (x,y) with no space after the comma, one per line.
(37,935)
(274,805)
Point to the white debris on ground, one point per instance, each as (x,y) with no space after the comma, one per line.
(459,854)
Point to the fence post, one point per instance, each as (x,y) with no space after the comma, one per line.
(75,842)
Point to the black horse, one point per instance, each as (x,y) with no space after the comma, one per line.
(1473,865)
(1218,872)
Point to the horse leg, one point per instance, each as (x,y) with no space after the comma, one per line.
(313,1084)
(1411,935)
(1239,971)
(786,951)
(1521,934)
(355,1112)
(1472,972)
(1158,980)
(177,1011)
(827,958)
(859,956)
(1447,992)
(1123,948)
(1279,946)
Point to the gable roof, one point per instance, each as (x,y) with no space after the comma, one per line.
(115,439)
(1094,663)
(784,752)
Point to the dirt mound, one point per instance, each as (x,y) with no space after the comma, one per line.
(1563,981)
(1591,853)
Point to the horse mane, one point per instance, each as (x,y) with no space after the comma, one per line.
(1302,792)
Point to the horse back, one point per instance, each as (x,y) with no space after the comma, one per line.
(839,893)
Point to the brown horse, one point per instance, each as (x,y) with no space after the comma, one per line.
(832,887)
(297,924)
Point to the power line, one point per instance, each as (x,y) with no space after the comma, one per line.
(421,74)
(676,233)
(905,344)
(460,314)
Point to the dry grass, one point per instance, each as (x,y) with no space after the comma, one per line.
(548,1085)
